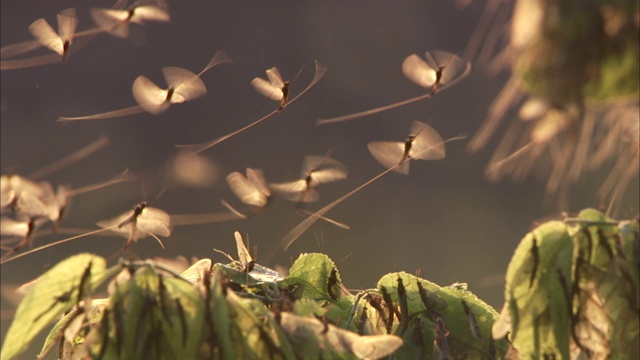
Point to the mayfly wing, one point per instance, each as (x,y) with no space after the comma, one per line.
(323,169)
(250,190)
(418,71)
(267,89)
(131,110)
(390,154)
(297,190)
(67,24)
(256,177)
(196,272)
(46,36)
(274,77)
(149,96)
(112,21)
(320,71)
(149,13)
(427,143)
(243,254)
(452,67)
(185,84)
(154,221)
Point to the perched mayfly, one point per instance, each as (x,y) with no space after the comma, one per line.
(116,21)
(415,151)
(182,85)
(270,90)
(423,143)
(252,190)
(439,70)
(316,170)
(140,222)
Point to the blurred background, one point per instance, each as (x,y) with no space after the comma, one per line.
(444,220)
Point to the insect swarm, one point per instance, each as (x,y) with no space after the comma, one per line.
(405,219)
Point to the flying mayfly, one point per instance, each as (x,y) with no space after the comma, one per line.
(316,170)
(439,70)
(424,143)
(182,85)
(252,190)
(116,21)
(44,35)
(428,142)
(275,89)
(27,204)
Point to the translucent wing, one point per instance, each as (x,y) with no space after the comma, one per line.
(31,205)
(112,21)
(246,190)
(67,23)
(11,227)
(149,96)
(46,36)
(154,221)
(327,175)
(427,144)
(185,84)
(256,177)
(243,254)
(275,78)
(296,191)
(296,186)
(114,222)
(418,71)
(315,164)
(454,67)
(196,272)
(149,13)
(389,154)
(267,89)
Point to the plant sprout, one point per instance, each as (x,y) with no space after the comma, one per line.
(440,70)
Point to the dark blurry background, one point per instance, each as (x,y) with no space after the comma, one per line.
(443,218)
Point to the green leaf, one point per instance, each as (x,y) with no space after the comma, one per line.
(54,293)
(314,276)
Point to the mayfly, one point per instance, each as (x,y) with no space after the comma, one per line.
(276,88)
(316,170)
(44,35)
(424,147)
(140,222)
(270,90)
(244,257)
(439,70)
(252,190)
(135,224)
(116,21)
(182,85)
(423,143)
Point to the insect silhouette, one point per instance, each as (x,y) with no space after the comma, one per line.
(116,21)
(270,90)
(423,143)
(438,71)
(396,163)
(182,85)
